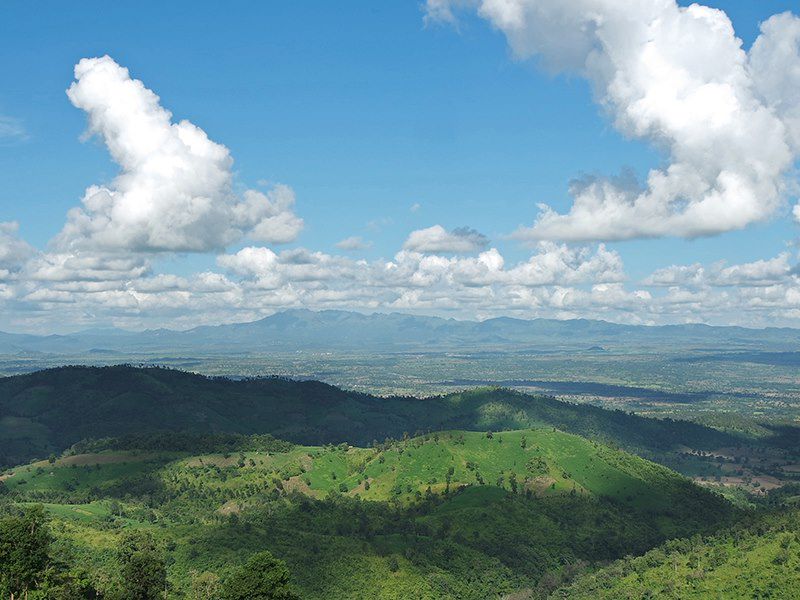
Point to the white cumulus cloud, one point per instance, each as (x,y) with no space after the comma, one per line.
(759,273)
(678,78)
(174,191)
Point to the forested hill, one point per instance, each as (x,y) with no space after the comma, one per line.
(759,558)
(50,410)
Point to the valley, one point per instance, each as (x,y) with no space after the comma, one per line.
(725,377)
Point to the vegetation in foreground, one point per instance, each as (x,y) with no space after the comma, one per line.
(758,558)
(165,484)
(449,514)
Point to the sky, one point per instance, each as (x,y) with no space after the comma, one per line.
(175,164)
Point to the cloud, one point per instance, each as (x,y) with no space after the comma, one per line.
(556,280)
(12,129)
(677,77)
(14,251)
(691,275)
(270,217)
(415,207)
(438,240)
(564,265)
(775,69)
(551,264)
(760,273)
(250,262)
(271,270)
(440,11)
(453,276)
(353,243)
(88,287)
(174,191)
(86,266)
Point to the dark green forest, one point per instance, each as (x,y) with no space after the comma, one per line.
(48,411)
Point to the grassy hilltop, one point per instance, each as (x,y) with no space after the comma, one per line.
(450,514)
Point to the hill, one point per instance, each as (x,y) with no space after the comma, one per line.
(48,411)
(758,558)
(448,514)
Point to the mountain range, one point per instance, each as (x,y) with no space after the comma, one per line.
(345,331)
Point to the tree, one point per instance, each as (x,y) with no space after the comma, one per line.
(262,577)
(24,551)
(142,567)
(204,586)
(67,585)
(394,565)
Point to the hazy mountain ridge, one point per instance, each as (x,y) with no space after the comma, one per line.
(333,330)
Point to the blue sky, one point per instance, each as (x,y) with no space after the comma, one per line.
(381,123)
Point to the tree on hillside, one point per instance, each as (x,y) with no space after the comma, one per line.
(142,567)
(24,552)
(262,577)
(204,586)
(28,566)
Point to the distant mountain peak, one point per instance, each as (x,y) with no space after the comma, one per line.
(297,329)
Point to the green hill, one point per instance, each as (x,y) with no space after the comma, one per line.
(541,462)
(48,411)
(759,558)
(449,514)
